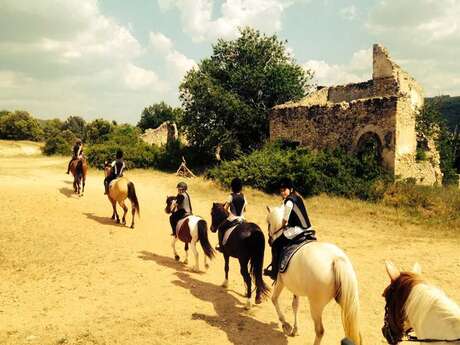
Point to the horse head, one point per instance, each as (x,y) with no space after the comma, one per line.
(274,221)
(396,324)
(218,215)
(170,202)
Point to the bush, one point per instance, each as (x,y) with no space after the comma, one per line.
(333,172)
(19,126)
(60,144)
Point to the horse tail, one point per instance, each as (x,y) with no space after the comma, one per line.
(348,298)
(133,198)
(203,237)
(257,261)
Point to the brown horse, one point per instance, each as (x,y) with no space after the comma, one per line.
(79,169)
(120,189)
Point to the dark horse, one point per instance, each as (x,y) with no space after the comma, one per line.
(79,169)
(247,244)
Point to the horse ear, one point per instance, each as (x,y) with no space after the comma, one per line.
(268,209)
(417,269)
(392,270)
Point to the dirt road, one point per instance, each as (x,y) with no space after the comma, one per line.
(68,275)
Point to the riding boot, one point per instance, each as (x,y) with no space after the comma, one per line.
(273,272)
(220,236)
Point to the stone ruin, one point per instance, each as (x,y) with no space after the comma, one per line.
(165,133)
(382,110)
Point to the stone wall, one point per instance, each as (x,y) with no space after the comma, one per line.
(161,135)
(339,116)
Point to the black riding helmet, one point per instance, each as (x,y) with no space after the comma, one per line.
(286,182)
(237,185)
(119,154)
(182,185)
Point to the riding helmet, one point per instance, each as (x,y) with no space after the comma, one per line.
(182,185)
(286,182)
(237,185)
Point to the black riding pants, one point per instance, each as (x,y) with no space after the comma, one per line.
(175,217)
(277,249)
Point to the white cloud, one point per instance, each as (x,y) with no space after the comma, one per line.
(197,16)
(66,56)
(177,63)
(349,12)
(358,69)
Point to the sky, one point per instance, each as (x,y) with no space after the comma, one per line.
(112,58)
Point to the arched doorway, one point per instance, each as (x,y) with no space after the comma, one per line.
(369,149)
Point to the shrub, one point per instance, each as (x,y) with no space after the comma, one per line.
(60,144)
(19,126)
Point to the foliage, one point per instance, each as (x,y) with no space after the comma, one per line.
(19,125)
(60,144)
(51,128)
(430,123)
(449,107)
(334,172)
(98,131)
(227,98)
(76,125)
(154,115)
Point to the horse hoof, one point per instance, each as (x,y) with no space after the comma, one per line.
(118,221)
(113,217)
(176,257)
(185,262)
(248,305)
(258,300)
(225,284)
(294,332)
(195,269)
(206,266)
(287,329)
(132,226)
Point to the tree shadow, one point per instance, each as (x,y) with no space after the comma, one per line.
(68,192)
(232,318)
(102,220)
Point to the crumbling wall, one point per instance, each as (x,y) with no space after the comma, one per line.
(161,135)
(385,106)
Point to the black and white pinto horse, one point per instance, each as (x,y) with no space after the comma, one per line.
(196,229)
(246,243)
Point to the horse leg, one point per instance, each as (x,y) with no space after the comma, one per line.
(316,311)
(279,286)
(226,268)
(133,213)
(125,210)
(247,280)
(196,268)
(186,253)
(173,245)
(115,213)
(84,181)
(295,309)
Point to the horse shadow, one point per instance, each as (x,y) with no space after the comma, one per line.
(102,220)
(166,261)
(231,318)
(68,192)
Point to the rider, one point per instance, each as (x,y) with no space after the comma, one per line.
(116,170)
(235,206)
(295,222)
(77,152)
(183,206)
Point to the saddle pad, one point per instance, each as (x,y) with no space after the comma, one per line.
(289,252)
(190,222)
(227,234)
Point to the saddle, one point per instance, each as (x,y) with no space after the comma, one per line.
(228,228)
(296,243)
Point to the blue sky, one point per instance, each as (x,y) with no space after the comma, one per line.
(111,58)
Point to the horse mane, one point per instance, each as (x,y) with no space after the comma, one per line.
(275,216)
(425,298)
(396,296)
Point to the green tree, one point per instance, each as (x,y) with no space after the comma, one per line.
(154,115)
(20,126)
(76,125)
(60,144)
(51,128)
(227,98)
(98,131)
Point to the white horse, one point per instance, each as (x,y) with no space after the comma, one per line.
(195,229)
(322,272)
(425,308)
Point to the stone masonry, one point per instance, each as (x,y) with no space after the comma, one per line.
(161,135)
(382,109)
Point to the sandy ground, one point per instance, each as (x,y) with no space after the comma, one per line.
(69,275)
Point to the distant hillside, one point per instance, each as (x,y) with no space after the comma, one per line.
(450,108)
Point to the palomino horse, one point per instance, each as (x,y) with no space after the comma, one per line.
(412,303)
(79,168)
(246,243)
(193,229)
(120,189)
(322,272)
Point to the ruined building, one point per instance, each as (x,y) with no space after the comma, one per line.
(381,110)
(162,135)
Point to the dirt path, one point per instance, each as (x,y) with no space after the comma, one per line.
(71,276)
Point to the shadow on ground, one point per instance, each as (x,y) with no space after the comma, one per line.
(68,192)
(240,327)
(102,220)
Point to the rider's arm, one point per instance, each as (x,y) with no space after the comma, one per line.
(227,204)
(287,212)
